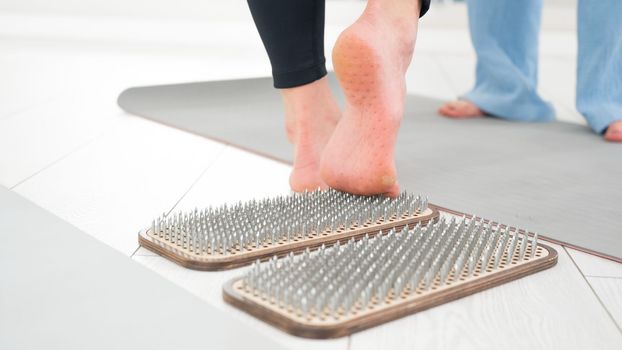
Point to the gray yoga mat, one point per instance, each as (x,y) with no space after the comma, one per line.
(63,289)
(558,179)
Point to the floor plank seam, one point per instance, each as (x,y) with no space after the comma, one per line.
(209,166)
(135,250)
(594,291)
(66,155)
(609,277)
(190,188)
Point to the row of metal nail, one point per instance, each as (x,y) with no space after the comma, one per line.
(245,226)
(350,277)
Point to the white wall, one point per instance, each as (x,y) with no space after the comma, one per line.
(558,14)
(198,9)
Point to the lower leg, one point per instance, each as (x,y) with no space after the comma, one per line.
(311,115)
(370,59)
(599,66)
(293,35)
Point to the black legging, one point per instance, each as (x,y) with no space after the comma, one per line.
(293,33)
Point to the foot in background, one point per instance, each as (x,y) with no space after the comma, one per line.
(614,132)
(311,114)
(460,109)
(370,59)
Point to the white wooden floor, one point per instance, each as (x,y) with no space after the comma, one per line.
(66,146)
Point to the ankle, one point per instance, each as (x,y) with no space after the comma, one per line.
(299,95)
(403,10)
(306,98)
(400,18)
(310,106)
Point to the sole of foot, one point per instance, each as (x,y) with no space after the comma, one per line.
(614,132)
(311,114)
(370,59)
(460,109)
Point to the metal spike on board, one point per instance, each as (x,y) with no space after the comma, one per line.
(523,246)
(534,245)
(338,280)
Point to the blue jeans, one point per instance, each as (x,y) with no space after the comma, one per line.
(505,36)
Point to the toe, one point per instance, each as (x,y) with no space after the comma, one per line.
(309,186)
(393,191)
(460,109)
(614,136)
(451,109)
(301,181)
(614,132)
(447,107)
(444,110)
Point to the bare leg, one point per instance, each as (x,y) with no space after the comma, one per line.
(311,114)
(293,34)
(370,59)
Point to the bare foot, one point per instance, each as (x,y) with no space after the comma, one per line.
(460,109)
(370,59)
(311,114)
(614,132)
